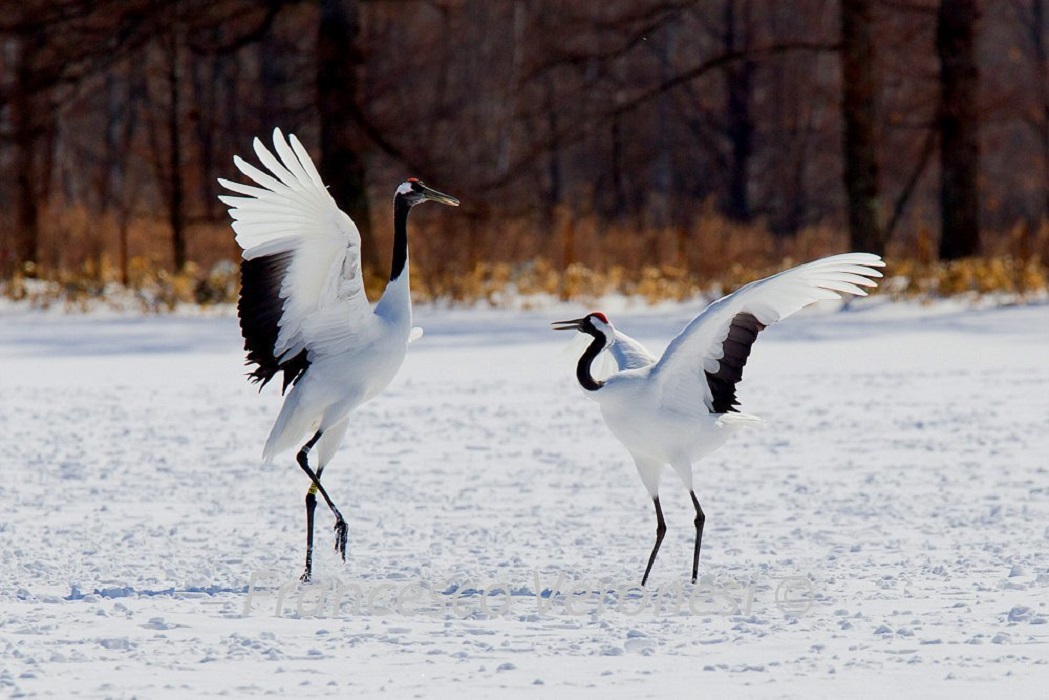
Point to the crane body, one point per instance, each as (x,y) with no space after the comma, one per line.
(304,312)
(676,409)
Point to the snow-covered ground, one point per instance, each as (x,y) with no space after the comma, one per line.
(888,531)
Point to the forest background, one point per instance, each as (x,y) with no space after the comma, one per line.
(652,147)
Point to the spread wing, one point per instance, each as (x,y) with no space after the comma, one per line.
(700,368)
(301,284)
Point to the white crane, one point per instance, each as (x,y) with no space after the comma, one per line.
(676,409)
(303,309)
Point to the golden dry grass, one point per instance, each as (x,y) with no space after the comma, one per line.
(471,261)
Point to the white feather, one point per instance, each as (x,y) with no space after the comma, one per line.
(630,353)
(700,345)
(291,210)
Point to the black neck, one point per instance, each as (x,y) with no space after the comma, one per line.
(582,370)
(400,236)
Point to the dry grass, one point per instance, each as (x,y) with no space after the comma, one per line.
(469,260)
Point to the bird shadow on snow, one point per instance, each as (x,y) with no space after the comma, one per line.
(451,592)
(130,592)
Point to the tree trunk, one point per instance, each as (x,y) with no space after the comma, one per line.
(1041,72)
(662,188)
(618,207)
(165,137)
(554,187)
(26,129)
(273,84)
(121,189)
(958,127)
(339,60)
(206,75)
(859,112)
(175,190)
(739,77)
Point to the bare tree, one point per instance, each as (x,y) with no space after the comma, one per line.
(958,124)
(1032,16)
(172,177)
(57,46)
(629,115)
(859,111)
(739,78)
(30,119)
(118,188)
(339,61)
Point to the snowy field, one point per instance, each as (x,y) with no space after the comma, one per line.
(887,532)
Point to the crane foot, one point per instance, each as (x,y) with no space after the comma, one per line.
(341,535)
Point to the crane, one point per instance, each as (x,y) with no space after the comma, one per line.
(304,312)
(678,408)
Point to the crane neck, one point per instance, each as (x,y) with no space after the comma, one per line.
(401,207)
(582,371)
(395,306)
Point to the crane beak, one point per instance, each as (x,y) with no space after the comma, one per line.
(574,325)
(439,197)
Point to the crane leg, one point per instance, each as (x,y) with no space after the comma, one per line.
(700,519)
(340,522)
(661,529)
(311,505)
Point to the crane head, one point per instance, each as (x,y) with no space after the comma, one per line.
(412,191)
(595,324)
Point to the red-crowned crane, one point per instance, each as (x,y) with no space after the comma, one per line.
(303,309)
(681,407)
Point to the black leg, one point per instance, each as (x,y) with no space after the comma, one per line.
(661,529)
(340,522)
(700,519)
(311,505)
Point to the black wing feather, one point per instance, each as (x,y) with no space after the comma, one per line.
(741,335)
(259,309)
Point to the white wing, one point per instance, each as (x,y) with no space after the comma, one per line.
(701,366)
(301,272)
(629,353)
